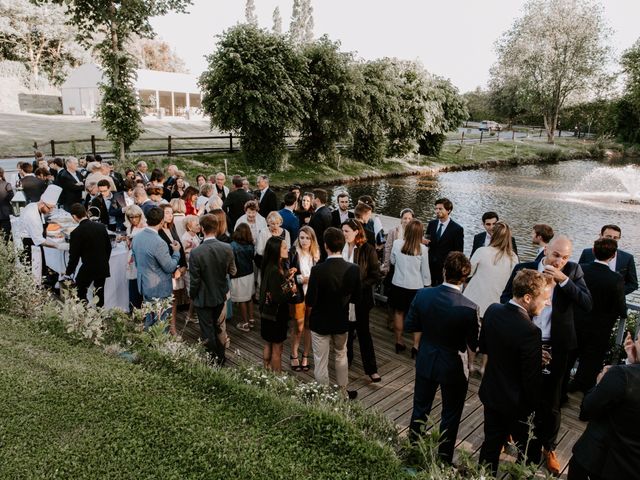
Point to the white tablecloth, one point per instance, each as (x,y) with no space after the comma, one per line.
(116,288)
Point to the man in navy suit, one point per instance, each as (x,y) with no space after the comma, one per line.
(558,330)
(541,235)
(483,239)
(448,322)
(623,262)
(511,385)
(444,236)
(290,221)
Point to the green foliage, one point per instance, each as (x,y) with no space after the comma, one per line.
(597,116)
(627,108)
(253,86)
(117,22)
(479,105)
(332,106)
(301,25)
(430,144)
(382,111)
(556,50)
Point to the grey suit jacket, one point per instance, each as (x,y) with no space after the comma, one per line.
(209,264)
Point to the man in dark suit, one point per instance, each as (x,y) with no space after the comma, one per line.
(209,265)
(558,330)
(118,181)
(448,322)
(510,388)
(593,328)
(110,205)
(290,221)
(483,239)
(90,243)
(609,448)
(341,214)
(444,236)
(333,284)
(32,186)
(233,205)
(72,184)
(541,235)
(265,196)
(363,213)
(321,218)
(623,262)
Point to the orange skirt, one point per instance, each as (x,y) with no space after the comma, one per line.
(297,311)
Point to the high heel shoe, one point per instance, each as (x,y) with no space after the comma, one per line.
(400,347)
(414,352)
(375,378)
(295,368)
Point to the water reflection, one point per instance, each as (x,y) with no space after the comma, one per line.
(574,197)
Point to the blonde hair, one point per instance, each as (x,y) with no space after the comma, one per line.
(274,216)
(178,205)
(190,220)
(501,240)
(314,248)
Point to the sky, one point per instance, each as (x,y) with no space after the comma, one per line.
(453,39)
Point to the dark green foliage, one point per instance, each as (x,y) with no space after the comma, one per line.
(430,144)
(627,108)
(254,86)
(332,107)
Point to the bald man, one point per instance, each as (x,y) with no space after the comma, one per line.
(558,336)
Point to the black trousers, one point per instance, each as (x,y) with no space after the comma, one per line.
(453,396)
(549,415)
(498,425)
(592,348)
(210,330)
(361,328)
(436,273)
(98,290)
(577,472)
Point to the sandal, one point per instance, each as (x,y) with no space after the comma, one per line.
(243,327)
(305,363)
(295,368)
(375,377)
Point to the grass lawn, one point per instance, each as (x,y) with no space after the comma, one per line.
(70,411)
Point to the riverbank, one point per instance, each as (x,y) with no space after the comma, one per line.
(454,157)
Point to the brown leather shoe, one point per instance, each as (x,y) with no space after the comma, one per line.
(553,465)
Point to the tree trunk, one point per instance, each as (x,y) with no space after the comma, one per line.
(115,81)
(550,127)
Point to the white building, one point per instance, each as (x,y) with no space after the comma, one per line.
(160,93)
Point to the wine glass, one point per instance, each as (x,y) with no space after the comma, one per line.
(546,359)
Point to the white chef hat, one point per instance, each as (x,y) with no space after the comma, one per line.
(51,195)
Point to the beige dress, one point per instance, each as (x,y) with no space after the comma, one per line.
(488,278)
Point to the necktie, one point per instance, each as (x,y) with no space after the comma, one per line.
(439,231)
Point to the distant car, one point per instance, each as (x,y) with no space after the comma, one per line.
(489,126)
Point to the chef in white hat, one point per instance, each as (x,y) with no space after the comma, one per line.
(33,220)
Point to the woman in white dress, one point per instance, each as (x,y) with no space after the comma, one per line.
(491,267)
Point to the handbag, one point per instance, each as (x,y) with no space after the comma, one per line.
(268,309)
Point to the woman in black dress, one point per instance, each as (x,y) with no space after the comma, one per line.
(276,289)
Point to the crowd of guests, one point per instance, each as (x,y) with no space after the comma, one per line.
(311,272)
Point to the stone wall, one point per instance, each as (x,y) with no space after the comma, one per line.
(34,103)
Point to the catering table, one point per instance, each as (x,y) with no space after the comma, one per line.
(116,288)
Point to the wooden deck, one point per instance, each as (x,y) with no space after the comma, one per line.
(394,395)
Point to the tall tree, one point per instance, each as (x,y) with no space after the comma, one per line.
(333,106)
(254,85)
(250,13)
(301,26)
(38,36)
(116,22)
(155,54)
(557,49)
(277,21)
(628,107)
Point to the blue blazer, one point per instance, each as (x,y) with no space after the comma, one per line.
(625,266)
(449,323)
(290,223)
(154,264)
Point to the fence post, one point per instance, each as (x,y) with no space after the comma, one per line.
(230,142)
(462,138)
(559,133)
(169,145)
(53,148)
(93,145)
(513,135)
(481,133)
(498,137)
(540,133)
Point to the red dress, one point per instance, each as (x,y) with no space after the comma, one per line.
(191,210)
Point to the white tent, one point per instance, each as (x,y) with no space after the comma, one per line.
(159,93)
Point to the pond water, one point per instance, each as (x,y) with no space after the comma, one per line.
(575,197)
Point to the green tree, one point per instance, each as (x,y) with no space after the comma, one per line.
(557,49)
(277,21)
(155,54)
(479,105)
(628,107)
(380,98)
(332,106)
(301,26)
(250,13)
(116,22)
(38,36)
(254,85)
